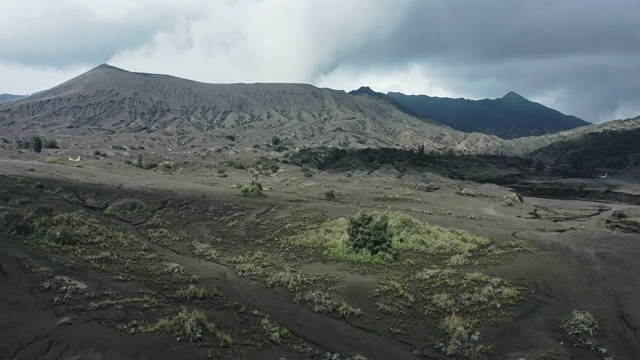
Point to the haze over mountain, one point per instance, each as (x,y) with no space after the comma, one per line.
(508,117)
(10,97)
(115,104)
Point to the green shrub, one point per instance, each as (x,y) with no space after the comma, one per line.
(36,144)
(369,234)
(329,196)
(252,190)
(15,223)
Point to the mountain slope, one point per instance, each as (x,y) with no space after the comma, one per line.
(9,97)
(110,103)
(509,117)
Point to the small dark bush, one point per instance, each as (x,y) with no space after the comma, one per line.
(329,196)
(151,165)
(14,223)
(369,234)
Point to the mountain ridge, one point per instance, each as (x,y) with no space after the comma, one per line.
(511,116)
(111,102)
(10,97)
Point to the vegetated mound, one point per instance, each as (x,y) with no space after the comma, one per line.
(377,236)
(109,102)
(509,117)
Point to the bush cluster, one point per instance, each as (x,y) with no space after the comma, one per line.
(369,233)
(252,190)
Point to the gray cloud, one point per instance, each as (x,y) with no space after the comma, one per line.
(583,52)
(579,56)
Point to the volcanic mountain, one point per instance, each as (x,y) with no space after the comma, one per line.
(112,105)
(509,117)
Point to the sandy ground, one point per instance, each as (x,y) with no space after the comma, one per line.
(579,264)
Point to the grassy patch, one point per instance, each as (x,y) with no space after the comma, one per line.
(192,292)
(51,160)
(65,321)
(323,303)
(192,325)
(273,332)
(252,190)
(204,250)
(404,232)
(460,338)
(290,280)
(582,328)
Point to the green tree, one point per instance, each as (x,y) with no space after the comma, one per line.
(36,144)
(368,233)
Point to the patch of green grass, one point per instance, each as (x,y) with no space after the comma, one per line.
(192,292)
(204,250)
(252,190)
(192,325)
(323,303)
(405,233)
(287,279)
(51,160)
(272,331)
(460,338)
(65,321)
(582,327)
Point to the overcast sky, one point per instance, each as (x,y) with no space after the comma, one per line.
(581,57)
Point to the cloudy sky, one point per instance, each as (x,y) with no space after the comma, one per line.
(581,57)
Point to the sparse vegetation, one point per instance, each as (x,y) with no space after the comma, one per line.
(582,328)
(65,321)
(272,331)
(460,338)
(204,250)
(192,292)
(191,325)
(323,303)
(288,279)
(252,190)
(51,160)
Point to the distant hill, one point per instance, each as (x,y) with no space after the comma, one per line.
(9,97)
(609,149)
(509,117)
(112,105)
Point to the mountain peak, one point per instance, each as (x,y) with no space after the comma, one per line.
(363,90)
(106,66)
(513,96)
